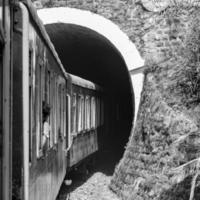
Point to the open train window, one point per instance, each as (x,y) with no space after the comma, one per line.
(46,98)
(60,131)
(64,111)
(39,110)
(51,102)
(80,112)
(68,120)
(73,114)
(87,112)
(43,99)
(93,113)
(58,112)
(55,110)
(61,110)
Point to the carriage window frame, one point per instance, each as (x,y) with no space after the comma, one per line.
(39,110)
(43,96)
(46,94)
(73,113)
(80,113)
(58,110)
(64,110)
(51,103)
(55,110)
(31,96)
(68,121)
(61,116)
(83,113)
(93,112)
(87,113)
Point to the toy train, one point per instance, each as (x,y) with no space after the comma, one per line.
(34,82)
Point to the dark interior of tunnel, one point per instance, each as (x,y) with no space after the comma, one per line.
(88,54)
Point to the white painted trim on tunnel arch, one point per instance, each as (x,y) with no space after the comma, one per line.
(99,24)
(106,28)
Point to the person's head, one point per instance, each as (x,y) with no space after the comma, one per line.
(45,110)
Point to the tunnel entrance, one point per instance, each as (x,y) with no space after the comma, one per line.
(86,53)
(94,48)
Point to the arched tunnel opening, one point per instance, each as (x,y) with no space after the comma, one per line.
(90,55)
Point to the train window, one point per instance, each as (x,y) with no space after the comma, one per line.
(51,95)
(62,101)
(43,101)
(73,114)
(55,109)
(68,120)
(93,112)
(87,112)
(59,99)
(80,112)
(64,112)
(39,110)
(46,95)
(40,102)
(60,111)
(30,102)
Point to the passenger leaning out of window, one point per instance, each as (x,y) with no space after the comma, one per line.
(46,126)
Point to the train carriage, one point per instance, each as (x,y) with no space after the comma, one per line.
(85,119)
(75,112)
(38,79)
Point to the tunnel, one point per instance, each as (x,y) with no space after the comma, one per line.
(88,54)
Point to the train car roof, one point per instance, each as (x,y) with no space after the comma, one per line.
(84,83)
(45,36)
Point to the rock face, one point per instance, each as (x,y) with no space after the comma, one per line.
(161,157)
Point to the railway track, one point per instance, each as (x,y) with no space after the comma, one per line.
(91,184)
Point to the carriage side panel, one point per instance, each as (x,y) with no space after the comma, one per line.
(83,124)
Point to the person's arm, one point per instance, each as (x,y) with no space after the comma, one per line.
(46,129)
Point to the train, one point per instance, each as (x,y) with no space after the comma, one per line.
(50,119)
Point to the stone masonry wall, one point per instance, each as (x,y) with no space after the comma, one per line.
(161,157)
